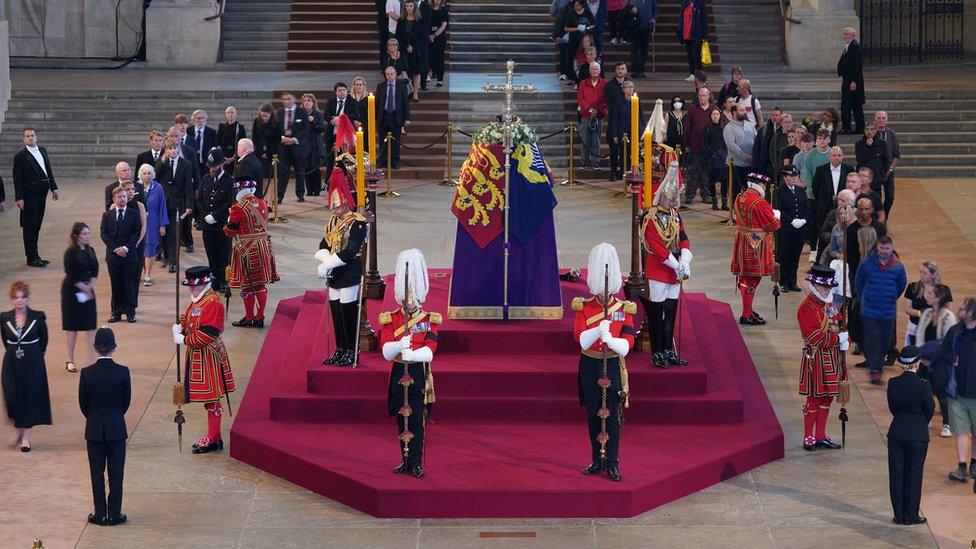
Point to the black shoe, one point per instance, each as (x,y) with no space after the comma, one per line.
(785,290)
(897,520)
(36,263)
(172,267)
(114,318)
(131,318)
(759,318)
(242,323)
(857,350)
(220,444)
(809,445)
(396,164)
(45,262)
(862,364)
(715,206)
(402,468)
(592,468)
(159,256)
(795,288)
(213,446)
(189,248)
(658,361)
(749,321)
(890,357)
(725,206)
(335,358)
(673,359)
(347,359)
(97,521)
(828,444)
(915,521)
(960,474)
(417,472)
(301,199)
(257,323)
(613,473)
(120,519)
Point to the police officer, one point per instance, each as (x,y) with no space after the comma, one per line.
(213,204)
(791,201)
(911,405)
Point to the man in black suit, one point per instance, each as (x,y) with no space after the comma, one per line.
(229,133)
(248,166)
(340,104)
(849,68)
(828,180)
(123,177)
(152,155)
(204,138)
(213,206)
(911,406)
(120,232)
(292,127)
(104,392)
(791,201)
(391,97)
(175,174)
(33,178)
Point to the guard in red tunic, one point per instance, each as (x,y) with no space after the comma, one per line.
(668,263)
(408,338)
(340,254)
(752,248)
(252,263)
(821,368)
(604,329)
(207,376)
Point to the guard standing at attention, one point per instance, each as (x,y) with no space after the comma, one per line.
(604,329)
(791,199)
(408,338)
(252,258)
(752,246)
(214,200)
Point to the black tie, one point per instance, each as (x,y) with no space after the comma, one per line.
(120,216)
(389,97)
(200,143)
(155,156)
(339,108)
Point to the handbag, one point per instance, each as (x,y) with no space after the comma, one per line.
(706,54)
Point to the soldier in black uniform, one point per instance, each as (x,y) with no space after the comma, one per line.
(791,201)
(342,267)
(175,173)
(213,204)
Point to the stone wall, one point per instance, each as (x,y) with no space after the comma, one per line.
(179,36)
(74,28)
(969,27)
(4,68)
(815,45)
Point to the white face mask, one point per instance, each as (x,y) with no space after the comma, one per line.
(678,105)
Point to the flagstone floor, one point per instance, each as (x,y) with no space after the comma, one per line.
(174,499)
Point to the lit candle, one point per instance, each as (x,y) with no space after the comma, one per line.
(648,168)
(371,102)
(360,171)
(634,113)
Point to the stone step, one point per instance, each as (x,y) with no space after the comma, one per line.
(256,27)
(272,45)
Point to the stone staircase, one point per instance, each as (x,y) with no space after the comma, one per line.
(255,34)
(736,24)
(333,35)
(487,33)
(85,134)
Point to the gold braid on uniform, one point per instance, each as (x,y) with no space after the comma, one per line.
(668,232)
(337,229)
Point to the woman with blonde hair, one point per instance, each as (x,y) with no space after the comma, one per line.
(316,150)
(156,218)
(914,302)
(24,374)
(359,96)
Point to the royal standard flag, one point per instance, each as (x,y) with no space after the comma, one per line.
(532,199)
(480,199)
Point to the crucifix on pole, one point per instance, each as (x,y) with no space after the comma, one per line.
(508,120)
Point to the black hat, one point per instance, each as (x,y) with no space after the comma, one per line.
(757,178)
(104,339)
(215,157)
(909,355)
(822,276)
(197,276)
(789,171)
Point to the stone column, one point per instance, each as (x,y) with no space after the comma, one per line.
(177,35)
(4,68)
(815,45)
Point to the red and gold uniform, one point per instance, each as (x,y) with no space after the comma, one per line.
(663,236)
(752,247)
(821,368)
(252,258)
(589,314)
(411,385)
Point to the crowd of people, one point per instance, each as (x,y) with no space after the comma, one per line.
(413,40)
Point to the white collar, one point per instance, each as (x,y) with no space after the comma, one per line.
(104,358)
(33,149)
(816,294)
(833,169)
(201,294)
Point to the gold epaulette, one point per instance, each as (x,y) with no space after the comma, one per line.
(385,318)
(435,318)
(358,216)
(630,307)
(577,304)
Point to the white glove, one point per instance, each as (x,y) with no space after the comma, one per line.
(797,223)
(177,329)
(618,345)
(323,271)
(606,337)
(673,263)
(776,214)
(581,27)
(210,219)
(845,340)
(405,343)
(407,355)
(685,270)
(604,327)
(685,256)
(178,339)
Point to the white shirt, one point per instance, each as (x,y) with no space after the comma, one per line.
(394,6)
(835,175)
(36,153)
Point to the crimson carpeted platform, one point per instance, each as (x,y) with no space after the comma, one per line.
(508,436)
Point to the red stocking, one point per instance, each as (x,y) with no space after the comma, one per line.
(248,297)
(823,409)
(809,417)
(262,296)
(747,288)
(214,411)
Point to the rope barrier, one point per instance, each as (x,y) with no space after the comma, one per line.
(425,147)
(464,133)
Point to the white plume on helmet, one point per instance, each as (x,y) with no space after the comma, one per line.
(419,284)
(603,255)
(670,185)
(656,123)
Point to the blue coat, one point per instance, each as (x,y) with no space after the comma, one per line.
(156,217)
(699,21)
(880,289)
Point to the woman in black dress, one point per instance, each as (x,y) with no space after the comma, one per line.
(265,141)
(24,374)
(359,95)
(394,58)
(715,155)
(316,150)
(438,38)
(78,312)
(414,37)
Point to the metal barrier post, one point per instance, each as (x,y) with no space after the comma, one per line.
(570,180)
(390,193)
(448,157)
(275,218)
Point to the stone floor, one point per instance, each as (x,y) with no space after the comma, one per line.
(175,499)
